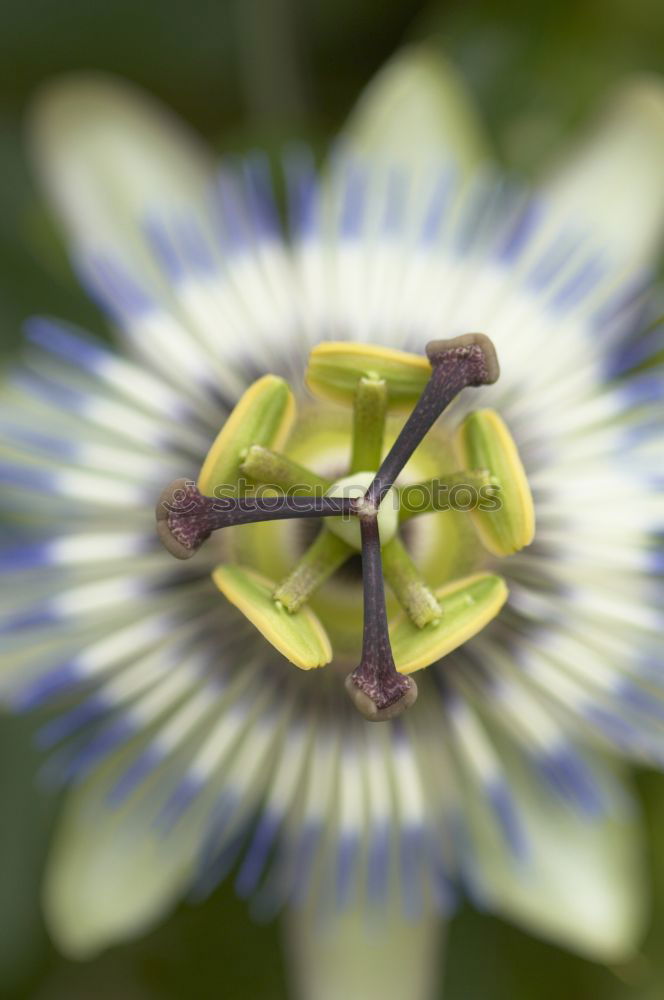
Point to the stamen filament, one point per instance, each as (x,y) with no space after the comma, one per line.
(186,518)
(434,494)
(464,361)
(369,410)
(376,687)
(268,467)
(415,597)
(327,553)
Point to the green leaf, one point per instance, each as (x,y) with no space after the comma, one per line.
(582,883)
(416,112)
(588,184)
(111,875)
(338,957)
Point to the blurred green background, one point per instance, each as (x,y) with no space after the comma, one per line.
(252,73)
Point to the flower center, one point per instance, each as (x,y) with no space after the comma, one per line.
(248,478)
(355,487)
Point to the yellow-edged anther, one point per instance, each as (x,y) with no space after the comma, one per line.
(468,606)
(298,636)
(335,368)
(264,415)
(504,521)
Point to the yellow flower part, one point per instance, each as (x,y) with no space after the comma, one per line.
(335,369)
(299,635)
(264,415)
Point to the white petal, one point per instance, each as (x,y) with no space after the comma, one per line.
(614,178)
(107,154)
(356,956)
(111,875)
(414,112)
(582,884)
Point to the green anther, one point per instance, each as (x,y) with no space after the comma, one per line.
(299,637)
(468,607)
(264,415)
(319,562)
(508,524)
(449,492)
(415,597)
(335,367)
(266,466)
(369,411)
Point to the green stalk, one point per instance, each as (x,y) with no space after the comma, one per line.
(369,411)
(434,494)
(269,468)
(319,562)
(417,600)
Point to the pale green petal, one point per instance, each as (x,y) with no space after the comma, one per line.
(111,875)
(582,884)
(416,112)
(357,956)
(613,179)
(107,154)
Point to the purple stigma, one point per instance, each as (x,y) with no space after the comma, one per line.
(186,518)
(464,361)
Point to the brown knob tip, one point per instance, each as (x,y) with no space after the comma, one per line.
(368,708)
(476,348)
(173,501)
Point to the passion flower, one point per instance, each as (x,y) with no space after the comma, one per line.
(192,744)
